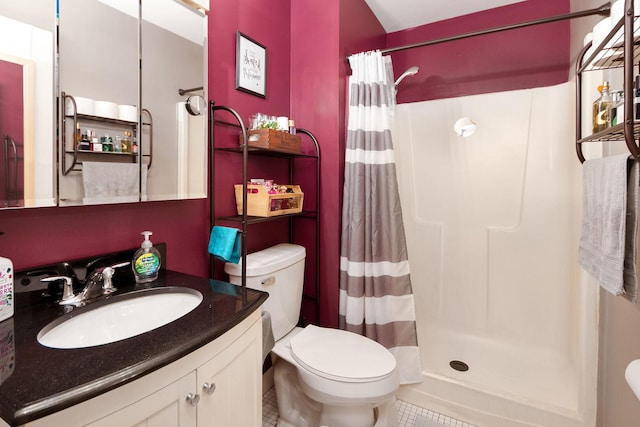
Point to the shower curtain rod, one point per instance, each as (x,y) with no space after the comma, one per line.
(605,10)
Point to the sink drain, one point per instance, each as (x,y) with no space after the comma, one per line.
(459,365)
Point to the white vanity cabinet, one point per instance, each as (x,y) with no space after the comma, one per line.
(219,384)
(166,407)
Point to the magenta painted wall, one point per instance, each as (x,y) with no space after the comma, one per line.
(34,237)
(314,83)
(11,124)
(324,32)
(524,58)
(267,22)
(11,105)
(307,42)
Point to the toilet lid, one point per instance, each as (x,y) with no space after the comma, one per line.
(341,355)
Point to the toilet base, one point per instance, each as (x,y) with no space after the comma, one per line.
(297,409)
(306,412)
(346,416)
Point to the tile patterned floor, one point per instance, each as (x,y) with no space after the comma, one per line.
(408,415)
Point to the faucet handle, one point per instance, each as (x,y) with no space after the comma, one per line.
(67,289)
(107,274)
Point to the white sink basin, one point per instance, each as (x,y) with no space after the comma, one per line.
(120,317)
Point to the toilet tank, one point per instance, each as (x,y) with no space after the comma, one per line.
(278,270)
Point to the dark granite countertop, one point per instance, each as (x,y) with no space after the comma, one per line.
(43,380)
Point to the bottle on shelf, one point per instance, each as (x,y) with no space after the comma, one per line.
(126,142)
(85,141)
(134,146)
(107,143)
(617,108)
(117,144)
(95,144)
(636,96)
(78,136)
(602,109)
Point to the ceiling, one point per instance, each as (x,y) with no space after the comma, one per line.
(396,15)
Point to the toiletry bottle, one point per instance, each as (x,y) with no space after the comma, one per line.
(117,144)
(636,97)
(85,142)
(78,136)
(95,145)
(617,109)
(602,109)
(126,142)
(6,288)
(146,261)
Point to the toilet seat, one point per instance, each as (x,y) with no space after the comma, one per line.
(342,356)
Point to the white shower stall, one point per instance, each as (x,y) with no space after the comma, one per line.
(492,223)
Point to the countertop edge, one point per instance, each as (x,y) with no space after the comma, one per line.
(73,396)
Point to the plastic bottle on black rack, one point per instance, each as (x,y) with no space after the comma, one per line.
(602,109)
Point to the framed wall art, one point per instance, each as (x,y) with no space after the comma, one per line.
(251,66)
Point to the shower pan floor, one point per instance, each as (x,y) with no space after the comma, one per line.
(522,372)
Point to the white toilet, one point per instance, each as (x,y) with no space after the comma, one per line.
(322,376)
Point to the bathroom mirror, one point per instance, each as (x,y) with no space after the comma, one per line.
(27,101)
(116,55)
(174,46)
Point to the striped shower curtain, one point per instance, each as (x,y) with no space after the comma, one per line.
(376,299)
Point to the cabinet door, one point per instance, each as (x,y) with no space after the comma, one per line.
(231,384)
(166,407)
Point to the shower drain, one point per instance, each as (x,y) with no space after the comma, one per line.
(459,365)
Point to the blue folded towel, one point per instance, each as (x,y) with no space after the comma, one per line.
(224,244)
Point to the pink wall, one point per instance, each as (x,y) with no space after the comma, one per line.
(307,42)
(314,83)
(524,58)
(324,32)
(11,120)
(267,22)
(34,237)
(11,105)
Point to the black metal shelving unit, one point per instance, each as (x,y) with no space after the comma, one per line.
(246,220)
(617,50)
(79,156)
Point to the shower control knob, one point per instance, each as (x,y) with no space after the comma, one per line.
(193,399)
(209,388)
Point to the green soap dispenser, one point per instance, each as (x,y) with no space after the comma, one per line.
(146,261)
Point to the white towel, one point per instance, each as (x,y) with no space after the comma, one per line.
(610,209)
(631,235)
(112,182)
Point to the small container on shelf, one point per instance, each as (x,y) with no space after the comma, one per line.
(107,143)
(117,144)
(85,141)
(275,140)
(126,142)
(602,109)
(263,204)
(96,145)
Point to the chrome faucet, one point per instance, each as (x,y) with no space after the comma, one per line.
(98,283)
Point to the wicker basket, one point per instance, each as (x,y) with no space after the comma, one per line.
(261,203)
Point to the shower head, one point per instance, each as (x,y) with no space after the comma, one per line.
(412,71)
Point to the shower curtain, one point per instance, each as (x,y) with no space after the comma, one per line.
(376,298)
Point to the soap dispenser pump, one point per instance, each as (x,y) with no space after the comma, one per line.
(146,261)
